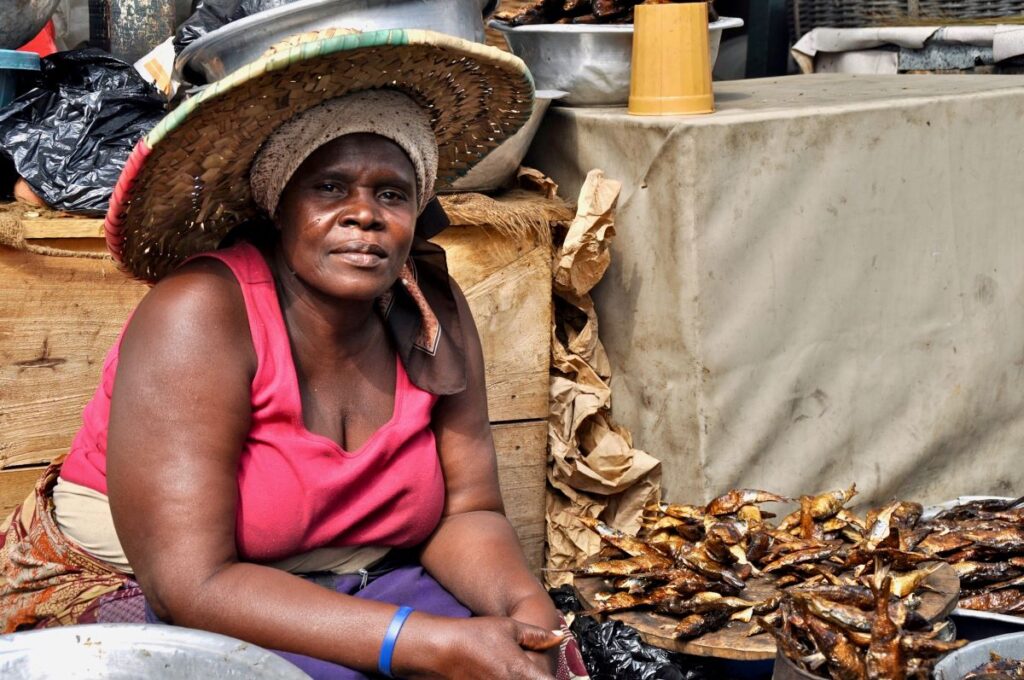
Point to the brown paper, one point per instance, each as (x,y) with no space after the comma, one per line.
(594,470)
(535,180)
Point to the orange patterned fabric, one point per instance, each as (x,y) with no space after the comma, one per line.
(44,579)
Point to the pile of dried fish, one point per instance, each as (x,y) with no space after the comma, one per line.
(582,12)
(845,590)
(984,541)
(828,633)
(997,669)
(694,562)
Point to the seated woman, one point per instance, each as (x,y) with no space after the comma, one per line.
(290,442)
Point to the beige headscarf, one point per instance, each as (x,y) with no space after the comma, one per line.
(420,309)
(387,113)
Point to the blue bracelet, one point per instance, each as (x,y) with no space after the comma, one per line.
(387,649)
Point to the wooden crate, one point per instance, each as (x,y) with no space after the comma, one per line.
(59,316)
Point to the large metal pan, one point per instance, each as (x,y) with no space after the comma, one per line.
(230,47)
(21,20)
(113,651)
(499,165)
(966,659)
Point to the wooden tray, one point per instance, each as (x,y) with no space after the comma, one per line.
(732,641)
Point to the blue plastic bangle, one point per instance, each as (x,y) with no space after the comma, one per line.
(387,648)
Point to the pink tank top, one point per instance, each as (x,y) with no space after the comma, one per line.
(299,491)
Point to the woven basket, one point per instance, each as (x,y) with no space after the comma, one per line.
(809,14)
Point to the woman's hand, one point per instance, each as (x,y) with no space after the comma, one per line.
(539,610)
(497,648)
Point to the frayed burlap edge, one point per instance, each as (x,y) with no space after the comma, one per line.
(12,234)
(518,214)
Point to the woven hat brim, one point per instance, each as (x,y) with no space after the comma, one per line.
(186,184)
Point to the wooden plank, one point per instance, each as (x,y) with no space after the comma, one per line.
(80,245)
(58,318)
(508,286)
(522,472)
(61,227)
(15,486)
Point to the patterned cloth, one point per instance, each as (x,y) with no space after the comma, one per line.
(47,581)
(44,579)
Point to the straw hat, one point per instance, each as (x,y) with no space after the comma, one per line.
(186,184)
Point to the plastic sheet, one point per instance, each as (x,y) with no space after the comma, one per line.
(209,15)
(70,135)
(613,650)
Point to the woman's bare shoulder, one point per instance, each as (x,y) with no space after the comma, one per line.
(196,309)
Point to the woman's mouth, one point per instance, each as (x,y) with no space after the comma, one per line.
(360,254)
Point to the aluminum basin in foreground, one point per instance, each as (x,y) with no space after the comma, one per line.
(114,651)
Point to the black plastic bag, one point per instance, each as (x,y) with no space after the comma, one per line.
(614,651)
(69,136)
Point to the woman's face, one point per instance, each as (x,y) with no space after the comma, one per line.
(347,216)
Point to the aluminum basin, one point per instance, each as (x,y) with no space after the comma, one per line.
(114,651)
(590,62)
(230,47)
(966,659)
(21,20)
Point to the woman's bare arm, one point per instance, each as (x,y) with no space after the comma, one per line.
(475,552)
(179,416)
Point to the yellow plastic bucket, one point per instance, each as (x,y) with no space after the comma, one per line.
(671,64)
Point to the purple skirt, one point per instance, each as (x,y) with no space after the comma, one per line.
(407,585)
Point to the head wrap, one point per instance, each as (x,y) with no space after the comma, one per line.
(420,309)
(388,113)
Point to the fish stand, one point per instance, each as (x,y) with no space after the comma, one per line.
(817,284)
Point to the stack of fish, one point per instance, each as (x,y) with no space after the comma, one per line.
(694,562)
(845,589)
(997,669)
(581,12)
(984,541)
(859,633)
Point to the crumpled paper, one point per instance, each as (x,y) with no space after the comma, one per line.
(594,469)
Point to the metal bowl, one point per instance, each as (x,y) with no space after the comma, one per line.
(500,164)
(978,625)
(230,47)
(22,20)
(590,62)
(114,651)
(966,659)
(931,511)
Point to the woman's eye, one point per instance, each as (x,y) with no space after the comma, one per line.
(328,187)
(392,196)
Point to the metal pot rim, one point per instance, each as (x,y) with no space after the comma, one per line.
(722,24)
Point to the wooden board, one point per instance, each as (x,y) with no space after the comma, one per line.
(731,641)
(58,318)
(522,471)
(15,486)
(508,286)
(61,227)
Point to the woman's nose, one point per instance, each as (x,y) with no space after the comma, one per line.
(361,212)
